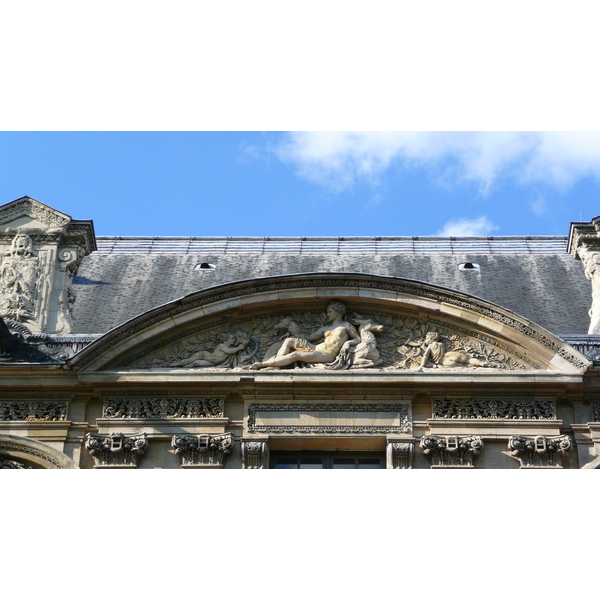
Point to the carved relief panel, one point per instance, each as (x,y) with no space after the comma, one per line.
(335,340)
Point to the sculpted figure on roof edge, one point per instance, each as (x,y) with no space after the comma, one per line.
(591,264)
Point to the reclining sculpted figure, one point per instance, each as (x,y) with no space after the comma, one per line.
(337,336)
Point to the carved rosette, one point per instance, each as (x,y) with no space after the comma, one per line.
(163,408)
(399,455)
(255,454)
(116,449)
(468,408)
(203,450)
(539,451)
(452,450)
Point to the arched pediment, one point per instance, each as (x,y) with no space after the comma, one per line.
(18,452)
(415,325)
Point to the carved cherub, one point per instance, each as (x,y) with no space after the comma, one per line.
(435,353)
(220,356)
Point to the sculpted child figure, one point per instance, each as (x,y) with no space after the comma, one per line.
(337,336)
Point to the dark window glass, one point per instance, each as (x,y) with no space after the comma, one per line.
(327,460)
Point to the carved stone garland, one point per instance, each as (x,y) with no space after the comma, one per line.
(203,450)
(399,455)
(451,451)
(33,411)
(539,451)
(255,454)
(163,408)
(116,449)
(475,408)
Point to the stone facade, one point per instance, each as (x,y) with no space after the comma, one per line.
(297,369)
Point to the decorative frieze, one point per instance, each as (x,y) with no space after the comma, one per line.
(203,450)
(399,455)
(452,450)
(596,409)
(255,454)
(492,408)
(162,408)
(539,451)
(33,411)
(116,449)
(330,418)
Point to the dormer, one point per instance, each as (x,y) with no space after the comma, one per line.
(40,252)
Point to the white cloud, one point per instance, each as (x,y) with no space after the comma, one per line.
(467,228)
(340,159)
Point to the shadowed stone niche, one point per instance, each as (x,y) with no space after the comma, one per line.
(197,451)
(539,451)
(451,451)
(116,449)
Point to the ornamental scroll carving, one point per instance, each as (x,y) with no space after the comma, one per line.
(255,454)
(116,449)
(400,455)
(162,408)
(33,411)
(475,408)
(451,451)
(334,341)
(539,451)
(203,450)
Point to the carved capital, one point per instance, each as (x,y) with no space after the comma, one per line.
(399,455)
(451,450)
(255,454)
(539,451)
(203,450)
(116,449)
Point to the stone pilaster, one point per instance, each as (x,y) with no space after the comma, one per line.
(255,454)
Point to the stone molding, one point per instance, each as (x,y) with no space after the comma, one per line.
(33,411)
(491,408)
(401,287)
(400,408)
(539,451)
(162,408)
(35,451)
(255,454)
(203,450)
(399,455)
(116,449)
(451,450)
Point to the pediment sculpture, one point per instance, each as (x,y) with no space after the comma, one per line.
(305,339)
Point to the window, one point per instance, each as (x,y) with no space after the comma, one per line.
(327,460)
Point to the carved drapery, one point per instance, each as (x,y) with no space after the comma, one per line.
(32,411)
(203,450)
(255,454)
(539,451)
(399,455)
(493,408)
(162,408)
(452,450)
(116,449)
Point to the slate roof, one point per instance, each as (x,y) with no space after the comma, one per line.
(532,276)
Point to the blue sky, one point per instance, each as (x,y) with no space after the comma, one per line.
(308,184)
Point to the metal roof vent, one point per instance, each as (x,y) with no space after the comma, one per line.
(468,266)
(204,267)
